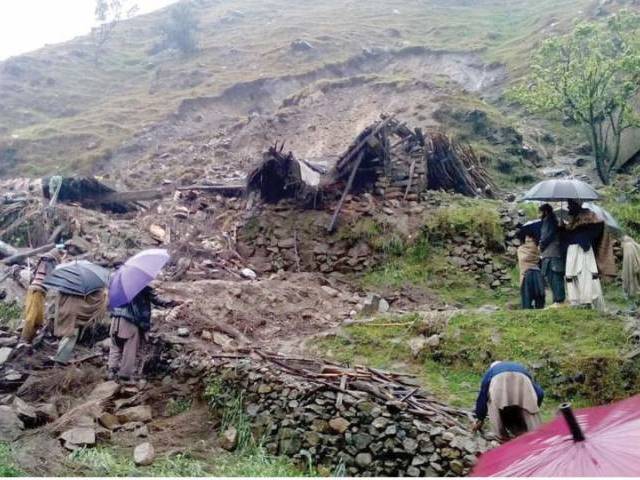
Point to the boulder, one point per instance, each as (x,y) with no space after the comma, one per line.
(109,421)
(229,439)
(339,424)
(383,306)
(144,454)
(104,391)
(79,437)
(363,460)
(47,411)
(26,412)
(183,332)
(433,341)
(248,274)
(10,425)
(5,353)
(141,413)
(418,345)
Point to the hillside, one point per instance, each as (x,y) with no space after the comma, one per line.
(246,87)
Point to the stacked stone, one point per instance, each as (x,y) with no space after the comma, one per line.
(355,433)
(471,254)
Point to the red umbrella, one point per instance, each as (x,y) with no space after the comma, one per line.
(595,442)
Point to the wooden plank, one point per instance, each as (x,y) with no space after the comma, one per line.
(133,196)
(20,257)
(362,143)
(346,191)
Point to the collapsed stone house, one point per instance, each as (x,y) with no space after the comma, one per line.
(387,158)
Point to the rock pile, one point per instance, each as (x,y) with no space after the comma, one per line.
(350,428)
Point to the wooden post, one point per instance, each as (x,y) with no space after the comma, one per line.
(352,177)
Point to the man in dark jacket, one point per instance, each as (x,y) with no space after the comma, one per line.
(128,324)
(552,254)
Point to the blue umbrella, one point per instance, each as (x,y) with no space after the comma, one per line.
(79,277)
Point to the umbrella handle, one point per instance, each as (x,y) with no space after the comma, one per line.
(572,423)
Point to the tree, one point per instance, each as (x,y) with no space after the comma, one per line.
(108,14)
(180,29)
(591,76)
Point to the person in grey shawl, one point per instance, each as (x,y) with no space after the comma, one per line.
(552,254)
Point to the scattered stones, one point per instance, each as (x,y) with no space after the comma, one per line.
(183,332)
(104,391)
(141,413)
(5,353)
(417,345)
(301,46)
(11,426)
(229,439)
(78,437)
(109,421)
(248,274)
(144,454)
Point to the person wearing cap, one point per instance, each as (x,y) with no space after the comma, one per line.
(34,311)
(510,398)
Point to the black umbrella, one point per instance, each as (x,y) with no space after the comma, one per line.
(78,278)
(560,190)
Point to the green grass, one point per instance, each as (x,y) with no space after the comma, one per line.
(249,459)
(427,267)
(255,463)
(556,344)
(178,406)
(466,217)
(8,468)
(109,462)
(10,315)
(58,108)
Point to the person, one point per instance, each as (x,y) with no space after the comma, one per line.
(72,314)
(552,254)
(531,282)
(630,267)
(510,398)
(34,311)
(129,323)
(582,235)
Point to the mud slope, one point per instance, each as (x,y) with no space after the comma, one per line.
(317,113)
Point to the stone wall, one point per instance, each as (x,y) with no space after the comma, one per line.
(357,434)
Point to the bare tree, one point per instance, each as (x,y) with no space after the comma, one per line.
(108,14)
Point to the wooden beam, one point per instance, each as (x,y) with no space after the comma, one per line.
(20,257)
(7,250)
(346,191)
(362,143)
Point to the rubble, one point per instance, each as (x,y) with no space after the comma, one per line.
(141,413)
(78,437)
(374,423)
(144,454)
(11,426)
(229,439)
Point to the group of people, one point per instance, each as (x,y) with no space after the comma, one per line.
(570,257)
(71,314)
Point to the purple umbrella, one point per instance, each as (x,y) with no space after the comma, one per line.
(137,272)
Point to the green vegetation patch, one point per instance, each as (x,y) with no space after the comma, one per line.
(466,217)
(10,314)
(8,467)
(110,462)
(573,352)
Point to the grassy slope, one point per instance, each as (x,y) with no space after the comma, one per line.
(62,103)
(556,344)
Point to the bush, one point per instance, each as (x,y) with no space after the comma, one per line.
(466,219)
(180,29)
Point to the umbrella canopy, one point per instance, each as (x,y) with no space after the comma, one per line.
(137,272)
(605,216)
(558,190)
(531,229)
(595,442)
(79,278)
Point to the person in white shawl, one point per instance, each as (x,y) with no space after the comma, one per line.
(582,235)
(630,267)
